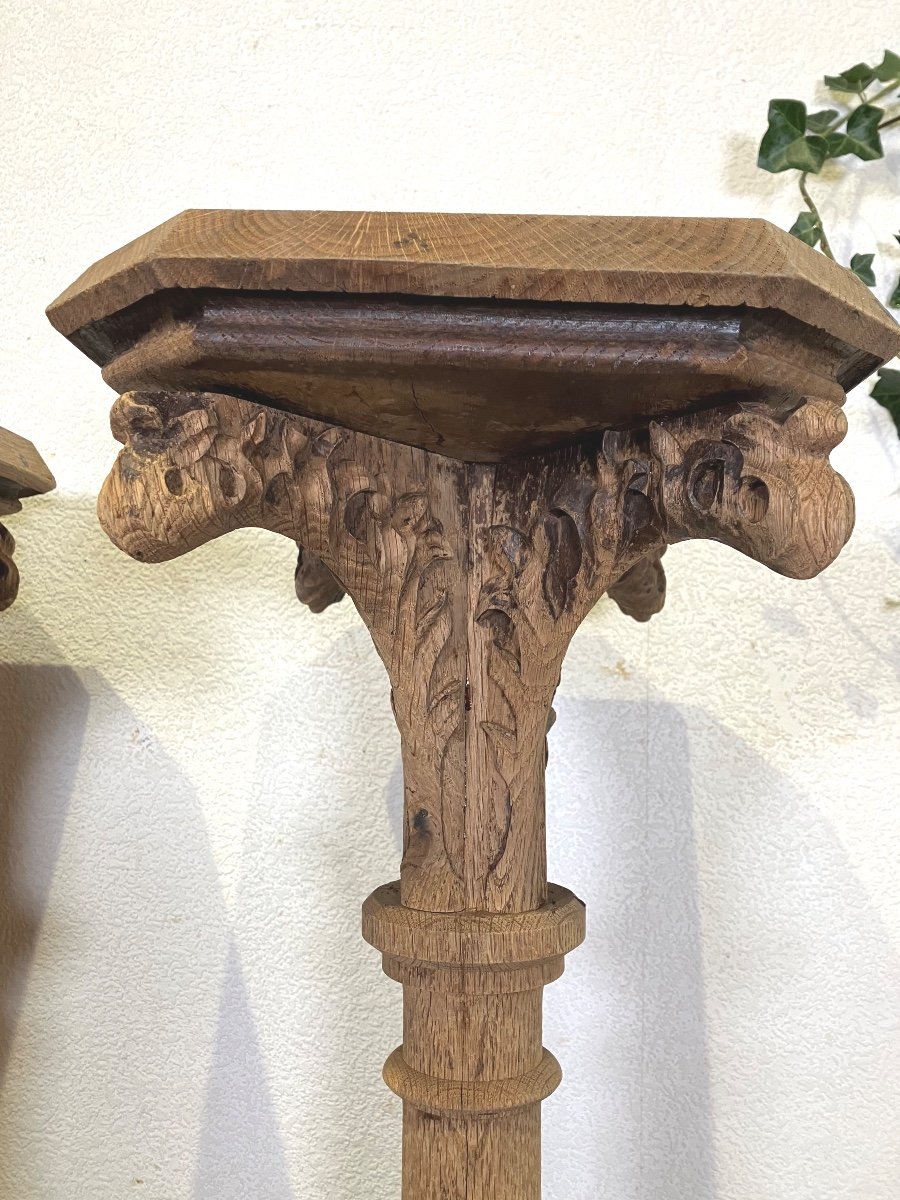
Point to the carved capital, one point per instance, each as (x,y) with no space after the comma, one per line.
(472,578)
(196,465)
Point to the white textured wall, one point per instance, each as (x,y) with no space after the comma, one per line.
(201,780)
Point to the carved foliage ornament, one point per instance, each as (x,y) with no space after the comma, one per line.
(472,578)
(196,465)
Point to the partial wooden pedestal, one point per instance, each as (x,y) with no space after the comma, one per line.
(476,426)
(22,473)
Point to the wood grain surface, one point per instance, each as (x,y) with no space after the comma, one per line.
(476,468)
(474,381)
(672,261)
(22,470)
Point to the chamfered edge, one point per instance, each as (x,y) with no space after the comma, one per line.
(22,469)
(777,272)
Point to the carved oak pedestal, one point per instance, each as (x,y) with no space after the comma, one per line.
(476,426)
(22,473)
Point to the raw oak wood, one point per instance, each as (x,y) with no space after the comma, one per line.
(668,261)
(472,1069)
(491,336)
(22,473)
(476,428)
(477,381)
(9,572)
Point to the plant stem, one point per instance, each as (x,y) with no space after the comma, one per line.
(804,192)
(835,125)
(890,121)
(884,91)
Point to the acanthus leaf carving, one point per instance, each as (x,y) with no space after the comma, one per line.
(472,579)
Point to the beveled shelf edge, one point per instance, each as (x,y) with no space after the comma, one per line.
(22,470)
(691,262)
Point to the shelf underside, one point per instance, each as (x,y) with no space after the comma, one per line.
(478,381)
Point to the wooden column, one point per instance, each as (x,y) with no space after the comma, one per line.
(476,427)
(472,1070)
(472,580)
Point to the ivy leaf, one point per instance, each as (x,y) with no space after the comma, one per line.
(888,69)
(861,266)
(854,79)
(785,146)
(861,137)
(894,300)
(887,392)
(818,122)
(807,229)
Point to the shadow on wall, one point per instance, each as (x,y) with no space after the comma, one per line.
(789,962)
(633,1118)
(240,1153)
(44,716)
(308,997)
(731,953)
(112,1067)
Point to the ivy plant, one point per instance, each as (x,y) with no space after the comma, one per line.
(867,104)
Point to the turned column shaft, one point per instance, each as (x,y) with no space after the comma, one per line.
(498,1157)
(456,1036)
(472,1070)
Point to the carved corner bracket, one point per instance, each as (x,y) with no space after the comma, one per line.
(472,578)
(197,464)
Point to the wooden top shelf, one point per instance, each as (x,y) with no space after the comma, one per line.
(22,471)
(476,336)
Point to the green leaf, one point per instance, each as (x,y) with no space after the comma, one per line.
(861,266)
(887,392)
(889,68)
(854,79)
(807,229)
(861,138)
(894,300)
(784,146)
(818,122)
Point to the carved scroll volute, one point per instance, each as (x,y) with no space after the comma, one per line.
(761,485)
(197,465)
